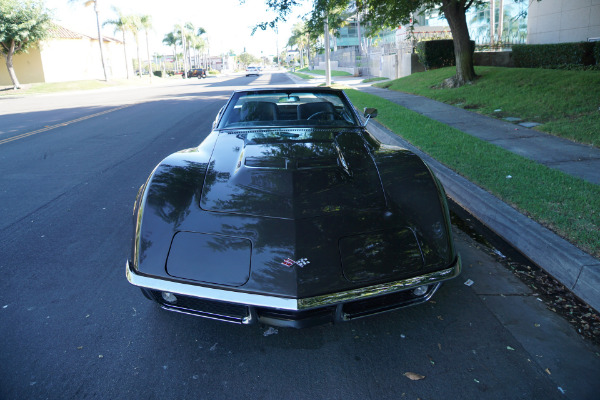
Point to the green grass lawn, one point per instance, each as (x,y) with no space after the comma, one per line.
(566,103)
(55,87)
(301,75)
(322,72)
(374,79)
(567,205)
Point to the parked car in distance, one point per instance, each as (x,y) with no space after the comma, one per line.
(252,71)
(196,73)
(291,213)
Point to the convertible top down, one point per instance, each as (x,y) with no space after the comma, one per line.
(291,213)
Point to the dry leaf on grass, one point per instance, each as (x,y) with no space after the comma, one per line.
(413,376)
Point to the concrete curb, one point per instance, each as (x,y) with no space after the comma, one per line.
(577,270)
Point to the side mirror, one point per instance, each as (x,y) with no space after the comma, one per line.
(370,112)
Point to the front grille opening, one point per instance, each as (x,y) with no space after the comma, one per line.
(376,305)
(207,308)
(295,315)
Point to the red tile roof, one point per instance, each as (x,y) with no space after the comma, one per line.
(60,32)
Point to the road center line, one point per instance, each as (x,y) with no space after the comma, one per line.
(48,128)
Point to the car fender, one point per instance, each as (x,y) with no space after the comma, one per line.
(415,195)
(164,201)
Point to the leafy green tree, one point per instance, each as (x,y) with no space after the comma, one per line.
(390,13)
(246,59)
(22,24)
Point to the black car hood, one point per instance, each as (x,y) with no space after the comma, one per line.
(293,215)
(291,175)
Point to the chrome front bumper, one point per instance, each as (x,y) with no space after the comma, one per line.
(291,304)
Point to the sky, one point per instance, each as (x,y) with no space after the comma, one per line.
(228,23)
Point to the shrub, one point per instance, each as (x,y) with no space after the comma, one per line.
(438,53)
(597,52)
(553,55)
(158,73)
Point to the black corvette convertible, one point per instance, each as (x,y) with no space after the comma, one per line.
(290,213)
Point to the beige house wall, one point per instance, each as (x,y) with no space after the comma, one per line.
(28,67)
(562,21)
(79,59)
(60,60)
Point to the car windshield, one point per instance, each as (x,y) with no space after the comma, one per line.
(287,108)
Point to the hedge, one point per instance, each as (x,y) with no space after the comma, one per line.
(597,53)
(554,55)
(437,53)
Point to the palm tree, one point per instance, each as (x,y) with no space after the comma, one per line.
(133,26)
(181,33)
(189,37)
(120,24)
(170,39)
(301,40)
(146,25)
(95,4)
(200,43)
(189,31)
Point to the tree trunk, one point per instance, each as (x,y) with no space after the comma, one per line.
(150,72)
(184,55)
(100,40)
(139,60)
(9,65)
(454,10)
(125,50)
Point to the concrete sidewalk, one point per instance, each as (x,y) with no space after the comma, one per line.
(577,270)
(579,160)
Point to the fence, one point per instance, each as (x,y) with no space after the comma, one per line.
(395,59)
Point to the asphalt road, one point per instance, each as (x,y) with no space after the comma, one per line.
(71,326)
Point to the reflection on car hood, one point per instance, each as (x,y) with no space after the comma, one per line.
(288,175)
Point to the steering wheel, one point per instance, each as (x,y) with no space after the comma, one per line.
(322,113)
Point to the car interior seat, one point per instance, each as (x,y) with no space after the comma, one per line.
(259,111)
(323,109)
